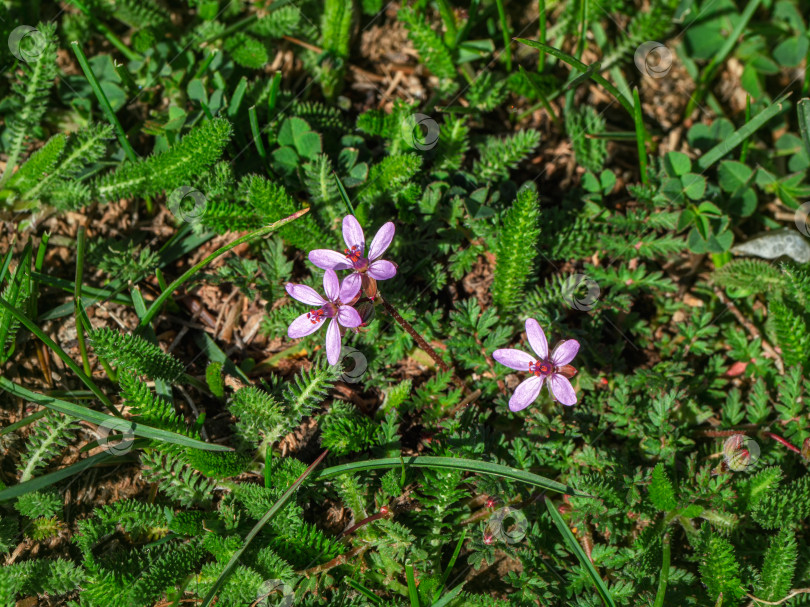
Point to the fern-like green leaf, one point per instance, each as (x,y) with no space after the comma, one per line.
(779,565)
(662,495)
(515,250)
(135,354)
(166,171)
(498,156)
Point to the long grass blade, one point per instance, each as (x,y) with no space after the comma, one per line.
(282,501)
(96,417)
(166,293)
(582,67)
(743,133)
(24,320)
(573,546)
(451,463)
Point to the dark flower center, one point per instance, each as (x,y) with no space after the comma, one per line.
(354,254)
(329,310)
(541,368)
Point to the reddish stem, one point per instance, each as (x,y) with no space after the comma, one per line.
(778,438)
(421,341)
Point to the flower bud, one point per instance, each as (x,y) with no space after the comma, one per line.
(740,452)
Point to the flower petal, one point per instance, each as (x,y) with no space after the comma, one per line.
(303,326)
(382,270)
(331,285)
(333,342)
(353,233)
(561,389)
(329,260)
(306,294)
(526,393)
(564,352)
(514,359)
(349,317)
(350,287)
(537,338)
(382,240)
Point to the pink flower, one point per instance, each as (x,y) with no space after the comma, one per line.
(333,308)
(368,268)
(542,368)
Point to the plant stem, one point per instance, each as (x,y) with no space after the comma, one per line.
(779,439)
(77,298)
(662,581)
(157,303)
(421,341)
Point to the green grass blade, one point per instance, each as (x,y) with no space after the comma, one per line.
(506,35)
(366,592)
(96,417)
(46,480)
(104,102)
(282,501)
(257,135)
(450,564)
(25,321)
(641,136)
(743,133)
(449,596)
(166,293)
(577,64)
(413,595)
(803,108)
(451,463)
(344,195)
(573,546)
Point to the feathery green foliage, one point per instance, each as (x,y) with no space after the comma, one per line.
(165,171)
(135,354)
(516,249)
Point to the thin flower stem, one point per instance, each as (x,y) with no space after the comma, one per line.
(778,438)
(421,341)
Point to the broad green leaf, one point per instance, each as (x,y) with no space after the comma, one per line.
(694,185)
(677,164)
(733,175)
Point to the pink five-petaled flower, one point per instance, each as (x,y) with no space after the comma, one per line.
(335,307)
(542,368)
(368,268)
